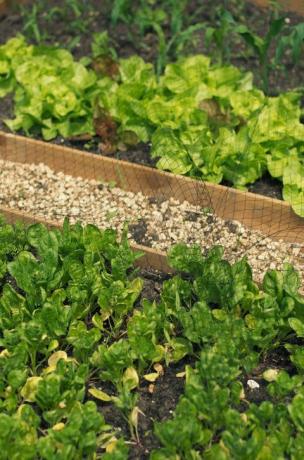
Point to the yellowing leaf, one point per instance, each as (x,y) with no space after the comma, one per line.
(151,388)
(219,314)
(105,315)
(161,351)
(130,378)
(99,394)
(4,353)
(180,375)
(270,375)
(55,357)
(29,390)
(49,369)
(151,377)
(8,391)
(21,408)
(53,345)
(111,445)
(159,368)
(58,426)
(97,320)
(244,417)
(133,417)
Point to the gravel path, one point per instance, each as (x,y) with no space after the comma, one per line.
(38,190)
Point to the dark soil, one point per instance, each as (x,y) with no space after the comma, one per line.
(267,186)
(156,402)
(153,281)
(277,359)
(65,30)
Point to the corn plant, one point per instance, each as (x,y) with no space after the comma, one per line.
(261,46)
(294,42)
(30,18)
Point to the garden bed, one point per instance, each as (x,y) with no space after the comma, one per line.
(157,340)
(295,6)
(52,182)
(269,216)
(140,154)
(140,365)
(127,40)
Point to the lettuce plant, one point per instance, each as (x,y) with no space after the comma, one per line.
(204,121)
(60,101)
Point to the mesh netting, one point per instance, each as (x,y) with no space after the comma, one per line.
(45,182)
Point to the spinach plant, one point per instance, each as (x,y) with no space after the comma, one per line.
(232,323)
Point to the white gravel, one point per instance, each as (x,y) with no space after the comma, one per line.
(154,222)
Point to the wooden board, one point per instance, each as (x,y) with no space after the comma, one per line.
(151,258)
(272,217)
(295,6)
(5,5)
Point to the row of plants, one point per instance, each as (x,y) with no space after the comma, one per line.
(76,336)
(203,120)
(176,27)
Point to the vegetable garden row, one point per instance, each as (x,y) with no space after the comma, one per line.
(154,310)
(204,120)
(86,357)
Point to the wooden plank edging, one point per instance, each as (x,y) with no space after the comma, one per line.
(270,216)
(294,6)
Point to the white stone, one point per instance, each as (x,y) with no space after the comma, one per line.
(253,385)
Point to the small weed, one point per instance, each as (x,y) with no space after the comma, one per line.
(30,16)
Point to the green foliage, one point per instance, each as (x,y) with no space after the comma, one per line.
(60,102)
(30,18)
(101,46)
(261,46)
(71,327)
(294,42)
(210,123)
(220,35)
(203,121)
(44,312)
(233,322)
(173,27)
(75,14)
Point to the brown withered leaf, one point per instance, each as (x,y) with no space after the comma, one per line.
(213,110)
(151,388)
(106,66)
(159,368)
(81,137)
(105,127)
(107,148)
(211,107)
